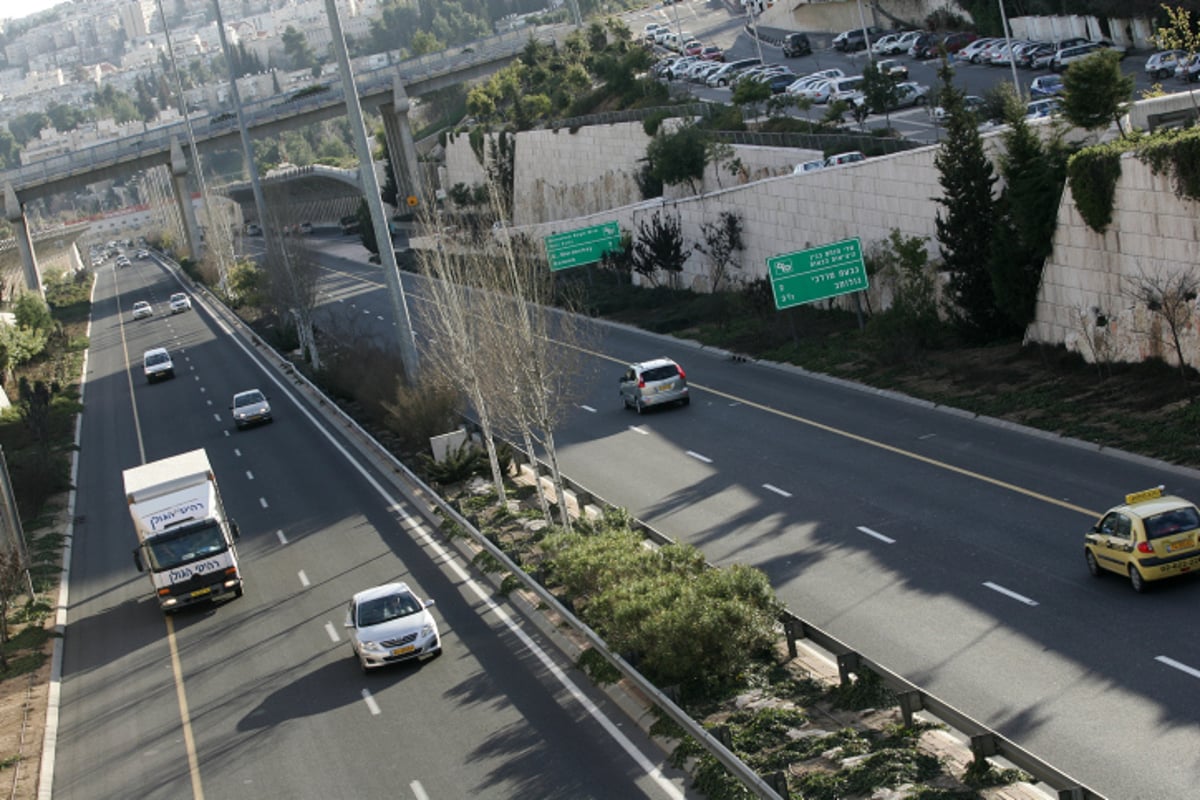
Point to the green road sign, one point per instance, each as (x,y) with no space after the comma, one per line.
(815,274)
(583,246)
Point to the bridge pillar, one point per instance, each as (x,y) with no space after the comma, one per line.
(400,143)
(15,213)
(183,198)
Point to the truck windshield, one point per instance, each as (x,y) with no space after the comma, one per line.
(182,547)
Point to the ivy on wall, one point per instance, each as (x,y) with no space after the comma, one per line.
(1093,172)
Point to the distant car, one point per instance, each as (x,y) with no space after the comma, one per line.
(142,254)
(796,45)
(157,364)
(123,261)
(1040,109)
(852,40)
(1149,537)
(972,103)
(1188,69)
(391,624)
(1046,86)
(809,166)
(306,228)
(653,383)
(884,43)
(180,302)
(693,48)
(1162,64)
(1066,56)
(142,309)
(712,53)
(253,229)
(926,46)
(845,158)
(893,68)
(250,407)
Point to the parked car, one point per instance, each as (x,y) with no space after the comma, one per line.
(853,40)
(253,229)
(904,43)
(1066,56)
(652,383)
(1046,86)
(390,623)
(883,44)
(845,158)
(1188,69)
(808,166)
(926,46)
(845,89)
(796,45)
(780,81)
(1036,56)
(306,228)
(1162,64)
(957,41)
(693,48)
(723,76)
(712,53)
(972,49)
(250,407)
(650,30)
(971,103)
(1149,537)
(892,68)
(1040,109)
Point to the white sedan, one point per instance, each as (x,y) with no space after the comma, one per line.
(391,624)
(142,309)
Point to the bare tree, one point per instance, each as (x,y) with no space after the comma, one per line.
(1171,297)
(1092,326)
(722,241)
(292,273)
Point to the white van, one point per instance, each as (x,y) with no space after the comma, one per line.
(844,158)
(845,89)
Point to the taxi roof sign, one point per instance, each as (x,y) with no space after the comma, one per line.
(1144,495)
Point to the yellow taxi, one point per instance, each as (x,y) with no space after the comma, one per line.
(1152,536)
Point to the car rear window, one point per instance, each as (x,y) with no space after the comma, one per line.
(663,373)
(1171,522)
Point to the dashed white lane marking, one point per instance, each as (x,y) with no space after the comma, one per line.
(876,534)
(282,538)
(249,475)
(699,457)
(995,587)
(217,417)
(262,501)
(378,317)
(418,790)
(332,631)
(208,402)
(194,377)
(303,579)
(203,390)
(776,490)
(588,408)
(237,452)
(372,706)
(1170,662)
(636,429)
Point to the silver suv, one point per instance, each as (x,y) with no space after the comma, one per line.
(654,383)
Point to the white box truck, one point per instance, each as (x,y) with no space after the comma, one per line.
(185,539)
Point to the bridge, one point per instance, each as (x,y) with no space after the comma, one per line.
(386,88)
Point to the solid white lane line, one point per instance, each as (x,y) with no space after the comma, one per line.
(699,457)
(303,579)
(418,790)
(262,501)
(776,490)
(877,535)
(332,631)
(372,706)
(1170,662)
(282,538)
(995,587)
(249,475)
(636,429)
(588,408)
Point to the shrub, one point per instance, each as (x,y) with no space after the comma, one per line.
(1092,175)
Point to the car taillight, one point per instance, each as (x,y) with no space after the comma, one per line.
(641,383)
(1145,547)
(680,370)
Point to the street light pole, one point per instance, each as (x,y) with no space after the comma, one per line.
(370,185)
(1012,59)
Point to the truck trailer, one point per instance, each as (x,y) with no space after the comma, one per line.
(185,538)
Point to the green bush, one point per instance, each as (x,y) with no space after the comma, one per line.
(1175,153)
(1092,175)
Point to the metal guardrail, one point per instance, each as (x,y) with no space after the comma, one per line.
(984,741)
(759,786)
(819,141)
(259,112)
(631,115)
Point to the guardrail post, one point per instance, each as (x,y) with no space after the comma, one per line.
(910,703)
(792,630)
(848,664)
(778,781)
(983,744)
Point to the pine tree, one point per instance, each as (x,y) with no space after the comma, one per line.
(1034,174)
(964,231)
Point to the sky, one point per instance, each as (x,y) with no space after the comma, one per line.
(15,9)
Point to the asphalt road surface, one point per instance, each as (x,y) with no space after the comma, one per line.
(259,697)
(948,548)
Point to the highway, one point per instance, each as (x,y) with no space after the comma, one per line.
(948,548)
(260,697)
